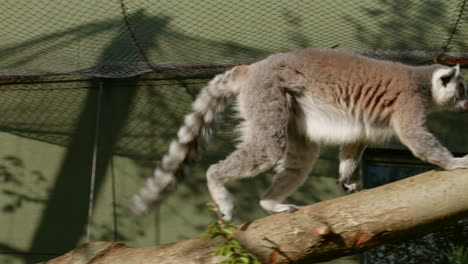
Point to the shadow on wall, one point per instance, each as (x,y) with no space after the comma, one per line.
(148,37)
(103,116)
(105,111)
(19,188)
(296,31)
(402,25)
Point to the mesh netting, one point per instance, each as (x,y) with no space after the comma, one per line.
(63,63)
(140,115)
(186,41)
(128,37)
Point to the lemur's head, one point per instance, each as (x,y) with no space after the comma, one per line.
(449,90)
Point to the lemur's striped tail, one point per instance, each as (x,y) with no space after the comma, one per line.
(197,126)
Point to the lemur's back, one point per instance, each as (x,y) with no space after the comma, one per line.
(336,76)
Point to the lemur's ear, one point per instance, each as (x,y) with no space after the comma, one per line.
(450,74)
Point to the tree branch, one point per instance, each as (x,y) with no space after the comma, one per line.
(322,231)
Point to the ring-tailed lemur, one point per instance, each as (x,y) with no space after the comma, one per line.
(293,102)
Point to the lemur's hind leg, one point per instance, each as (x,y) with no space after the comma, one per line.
(292,171)
(350,155)
(264,131)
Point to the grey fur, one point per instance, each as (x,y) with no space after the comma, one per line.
(190,137)
(291,103)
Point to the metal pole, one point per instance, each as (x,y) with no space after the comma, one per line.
(94,161)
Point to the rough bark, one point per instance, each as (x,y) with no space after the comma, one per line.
(318,232)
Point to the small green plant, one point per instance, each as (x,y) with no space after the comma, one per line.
(231,248)
(457,254)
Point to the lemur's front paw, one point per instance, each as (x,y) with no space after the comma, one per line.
(228,213)
(457,163)
(349,188)
(228,218)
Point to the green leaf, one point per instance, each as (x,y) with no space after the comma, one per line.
(227,232)
(218,251)
(226,250)
(243,260)
(236,244)
(229,224)
(231,247)
(215,235)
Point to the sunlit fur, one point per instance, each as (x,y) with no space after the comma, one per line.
(291,103)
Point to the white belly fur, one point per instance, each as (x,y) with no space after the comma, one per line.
(327,124)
